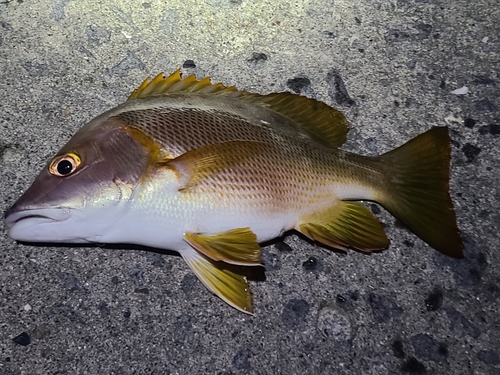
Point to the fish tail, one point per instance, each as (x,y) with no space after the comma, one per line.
(417,190)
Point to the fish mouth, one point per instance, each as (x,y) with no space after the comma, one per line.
(36,216)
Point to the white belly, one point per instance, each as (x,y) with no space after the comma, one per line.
(160,218)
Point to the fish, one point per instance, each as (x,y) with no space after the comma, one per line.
(212,172)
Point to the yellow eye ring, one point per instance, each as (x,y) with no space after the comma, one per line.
(64,165)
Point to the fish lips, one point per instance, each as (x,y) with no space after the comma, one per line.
(34,225)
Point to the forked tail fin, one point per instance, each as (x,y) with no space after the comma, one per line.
(417,190)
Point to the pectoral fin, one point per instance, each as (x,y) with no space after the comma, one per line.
(345,225)
(203,162)
(236,246)
(221,280)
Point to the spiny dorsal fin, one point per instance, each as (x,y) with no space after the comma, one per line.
(175,83)
(321,122)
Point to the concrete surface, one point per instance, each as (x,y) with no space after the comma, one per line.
(391,65)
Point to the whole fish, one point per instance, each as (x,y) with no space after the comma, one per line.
(211,172)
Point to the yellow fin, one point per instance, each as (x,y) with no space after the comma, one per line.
(417,190)
(324,124)
(230,286)
(321,122)
(345,225)
(160,85)
(203,162)
(237,246)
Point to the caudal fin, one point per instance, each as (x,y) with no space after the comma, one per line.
(417,190)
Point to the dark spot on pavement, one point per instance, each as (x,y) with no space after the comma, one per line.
(156,259)
(490,357)
(22,339)
(468,271)
(97,35)
(71,282)
(383,308)
(298,83)
(57,13)
(183,326)
(281,246)
(396,35)
(375,209)
(271,260)
(371,144)
(460,324)
(485,105)
(434,300)
(469,122)
(36,69)
(294,312)
(484,80)
(413,366)
(337,90)
(103,308)
(67,312)
(312,264)
(127,64)
(492,129)
(257,60)
(189,64)
(241,360)
(411,64)
(136,275)
(428,349)
(6,26)
(424,30)
(397,349)
(408,243)
(491,292)
(470,152)
(341,298)
(188,283)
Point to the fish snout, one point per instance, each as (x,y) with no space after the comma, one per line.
(9,212)
(30,217)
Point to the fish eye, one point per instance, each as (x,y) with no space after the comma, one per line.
(64,165)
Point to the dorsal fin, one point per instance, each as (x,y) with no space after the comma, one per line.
(321,122)
(175,83)
(324,124)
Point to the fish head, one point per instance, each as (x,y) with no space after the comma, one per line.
(84,189)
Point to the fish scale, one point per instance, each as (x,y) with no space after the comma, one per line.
(210,172)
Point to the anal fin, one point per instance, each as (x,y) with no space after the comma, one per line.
(237,246)
(230,286)
(345,225)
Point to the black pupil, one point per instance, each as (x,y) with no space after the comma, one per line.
(64,167)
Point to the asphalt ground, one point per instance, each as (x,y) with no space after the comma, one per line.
(395,68)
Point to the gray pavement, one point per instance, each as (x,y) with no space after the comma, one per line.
(392,66)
